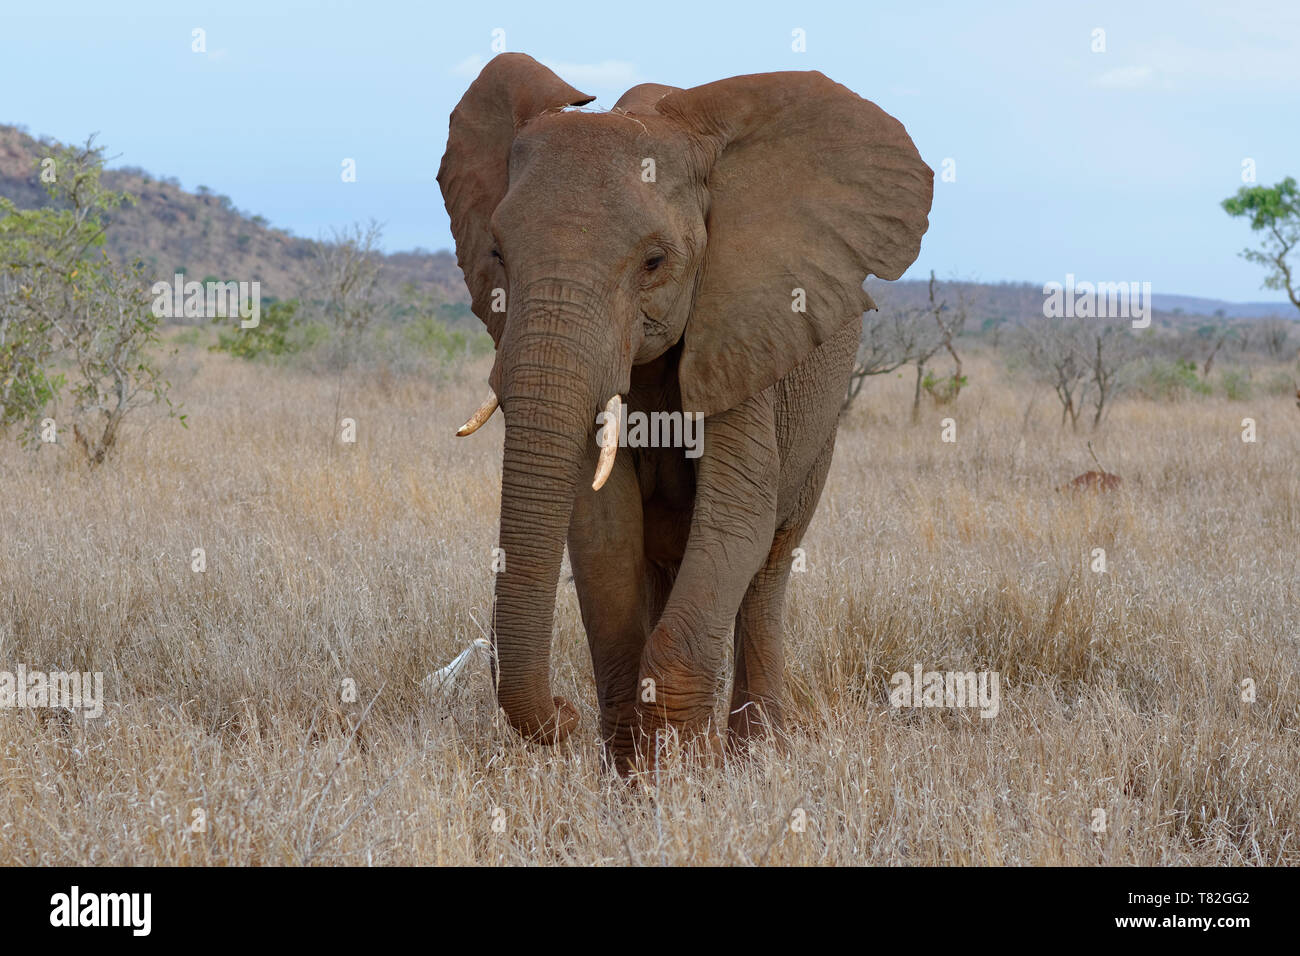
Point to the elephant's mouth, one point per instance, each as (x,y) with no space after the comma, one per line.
(653,325)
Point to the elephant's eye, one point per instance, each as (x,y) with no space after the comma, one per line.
(497,256)
(654,262)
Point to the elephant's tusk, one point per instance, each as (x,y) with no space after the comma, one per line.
(479,417)
(613,415)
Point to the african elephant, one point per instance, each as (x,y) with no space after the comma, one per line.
(691,250)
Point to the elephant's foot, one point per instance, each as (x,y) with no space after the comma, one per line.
(675,703)
(554,729)
(754,720)
(668,747)
(618,729)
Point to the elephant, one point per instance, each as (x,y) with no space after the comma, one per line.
(699,251)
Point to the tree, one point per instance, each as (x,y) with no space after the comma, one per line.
(1210,339)
(951,322)
(888,343)
(1110,349)
(1274,211)
(1274,333)
(347,272)
(1082,360)
(67,310)
(911,335)
(1055,351)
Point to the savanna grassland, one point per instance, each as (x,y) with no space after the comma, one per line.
(326,562)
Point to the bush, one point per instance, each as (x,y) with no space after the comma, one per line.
(1163,380)
(71,316)
(943,390)
(433,338)
(1236,385)
(189,335)
(271,336)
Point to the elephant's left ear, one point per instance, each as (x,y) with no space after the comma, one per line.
(812,189)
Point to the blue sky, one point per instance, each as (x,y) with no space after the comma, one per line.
(1106,165)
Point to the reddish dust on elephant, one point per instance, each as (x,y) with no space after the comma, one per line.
(691,257)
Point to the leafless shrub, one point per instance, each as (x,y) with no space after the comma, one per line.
(346,272)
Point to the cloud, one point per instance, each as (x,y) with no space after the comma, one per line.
(1229,56)
(1240,62)
(1125,78)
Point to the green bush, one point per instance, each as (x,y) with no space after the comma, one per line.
(271,336)
(307,335)
(190,335)
(1170,381)
(71,316)
(943,390)
(432,337)
(1236,385)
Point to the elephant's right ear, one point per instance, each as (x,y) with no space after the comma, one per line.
(512,89)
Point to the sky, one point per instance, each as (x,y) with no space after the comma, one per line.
(1106,164)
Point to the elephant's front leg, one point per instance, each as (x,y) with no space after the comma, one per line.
(756,695)
(609,570)
(731,532)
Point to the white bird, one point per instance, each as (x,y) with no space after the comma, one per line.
(441,680)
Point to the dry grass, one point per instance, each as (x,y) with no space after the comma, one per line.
(371,562)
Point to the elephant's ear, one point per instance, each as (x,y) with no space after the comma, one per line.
(812,188)
(512,89)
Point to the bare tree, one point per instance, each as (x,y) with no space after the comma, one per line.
(1296,381)
(1274,333)
(928,343)
(1055,351)
(950,322)
(889,341)
(1216,338)
(1110,349)
(346,271)
(347,274)
(911,335)
(1244,332)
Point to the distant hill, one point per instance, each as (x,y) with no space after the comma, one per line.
(1015,302)
(203,234)
(1191,305)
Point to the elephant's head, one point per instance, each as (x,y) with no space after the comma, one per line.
(738,218)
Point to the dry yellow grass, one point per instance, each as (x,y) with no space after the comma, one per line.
(1120,691)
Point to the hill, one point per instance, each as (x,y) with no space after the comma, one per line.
(1015,302)
(202,234)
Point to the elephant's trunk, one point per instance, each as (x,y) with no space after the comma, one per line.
(548,397)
